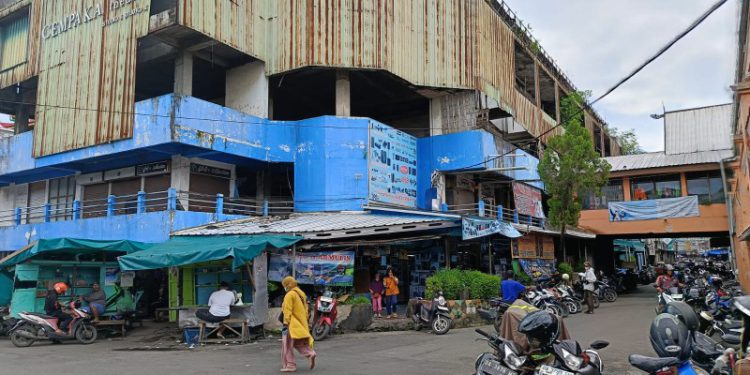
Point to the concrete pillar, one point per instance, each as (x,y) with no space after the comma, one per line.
(343,94)
(181,179)
(247,89)
(183,74)
(22,119)
(436,116)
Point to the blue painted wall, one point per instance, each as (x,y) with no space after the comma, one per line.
(146,227)
(330,170)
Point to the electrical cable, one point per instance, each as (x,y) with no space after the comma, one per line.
(619,83)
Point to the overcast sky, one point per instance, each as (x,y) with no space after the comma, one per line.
(598,42)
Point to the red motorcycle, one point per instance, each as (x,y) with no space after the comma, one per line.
(324,315)
(32,327)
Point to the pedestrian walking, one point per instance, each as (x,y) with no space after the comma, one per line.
(296,331)
(391,294)
(376,292)
(589,278)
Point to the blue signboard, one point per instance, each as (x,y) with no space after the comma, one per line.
(654,209)
(333,268)
(392,165)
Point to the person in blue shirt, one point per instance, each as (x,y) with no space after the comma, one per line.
(511,288)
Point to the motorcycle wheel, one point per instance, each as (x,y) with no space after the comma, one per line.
(20,341)
(579,306)
(596,302)
(610,295)
(86,334)
(320,331)
(571,306)
(441,325)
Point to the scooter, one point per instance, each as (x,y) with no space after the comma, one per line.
(326,310)
(434,314)
(666,297)
(32,327)
(495,313)
(506,357)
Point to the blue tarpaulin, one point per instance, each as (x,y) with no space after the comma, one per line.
(654,209)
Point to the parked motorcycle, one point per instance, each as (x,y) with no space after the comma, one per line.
(568,299)
(506,357)
(326,310)
(543,301)
(434,314)
(728,331)
(32,327)
(605,292)
(495,313)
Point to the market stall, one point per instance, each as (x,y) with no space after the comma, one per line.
(198,263)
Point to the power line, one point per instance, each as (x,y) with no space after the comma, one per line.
(619,83)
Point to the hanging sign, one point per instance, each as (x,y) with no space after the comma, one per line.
(528,200)
(476,227)
(331,268)
(654,209)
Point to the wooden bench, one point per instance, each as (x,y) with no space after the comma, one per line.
(203,333)
(113,323)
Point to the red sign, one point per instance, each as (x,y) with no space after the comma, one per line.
(528,200)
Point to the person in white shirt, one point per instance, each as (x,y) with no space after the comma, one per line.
(218,307)
(588,286)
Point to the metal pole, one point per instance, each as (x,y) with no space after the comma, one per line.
(294,260)
(730,217)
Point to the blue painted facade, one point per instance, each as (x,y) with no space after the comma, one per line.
(329,155)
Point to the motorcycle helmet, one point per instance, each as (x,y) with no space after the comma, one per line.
(60,287)
(685,313)
(669,268)
(541,328)
(670,337)
(717,282)
(565,277)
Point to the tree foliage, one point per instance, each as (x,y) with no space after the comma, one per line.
(570,167)
(628,141)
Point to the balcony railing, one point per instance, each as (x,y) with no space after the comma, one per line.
(483,209)
(142,202)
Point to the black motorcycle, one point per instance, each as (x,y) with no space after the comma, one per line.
(495,313)
(506,357)
(434,314)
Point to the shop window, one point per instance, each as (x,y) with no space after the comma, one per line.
(612,192)
(62,193)
(547,94)
(655,187)
(707,186)
(14,40)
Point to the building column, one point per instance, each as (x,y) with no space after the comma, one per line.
(436,116)
(343,94)
(183,74)
(626,189)
(247,89)
(683,185)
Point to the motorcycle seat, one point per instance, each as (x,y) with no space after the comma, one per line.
(652,364)
(41,315)
(731,339)
(734,324)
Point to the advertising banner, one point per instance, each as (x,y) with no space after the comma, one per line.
(330,268)
(527,247)
(536,268)
(654,209)
(392,165)
(528,200)
(475,227)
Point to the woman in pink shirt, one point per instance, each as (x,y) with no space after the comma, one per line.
(376,291)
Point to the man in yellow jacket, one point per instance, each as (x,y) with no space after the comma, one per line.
(296,331)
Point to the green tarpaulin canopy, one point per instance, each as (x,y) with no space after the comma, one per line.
(635,245)
(184,250)
(79,246)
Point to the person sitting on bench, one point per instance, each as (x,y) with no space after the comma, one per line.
(97,300)
(218,307)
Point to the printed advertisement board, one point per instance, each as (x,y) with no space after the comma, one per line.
(475,227)
(332,268)
(654,209)
(528,200)
(392,166)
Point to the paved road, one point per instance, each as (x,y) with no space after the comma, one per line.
(624,323)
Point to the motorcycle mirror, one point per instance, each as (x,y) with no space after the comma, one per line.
(599,344)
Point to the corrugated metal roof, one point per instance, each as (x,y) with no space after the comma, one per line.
(310,223)
(660,159)
(698,129)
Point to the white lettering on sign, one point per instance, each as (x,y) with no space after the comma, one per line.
(77,18)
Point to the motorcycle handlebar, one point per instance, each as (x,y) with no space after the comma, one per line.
(483,333)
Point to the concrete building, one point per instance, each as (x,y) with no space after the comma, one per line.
(151,116)
(675,193)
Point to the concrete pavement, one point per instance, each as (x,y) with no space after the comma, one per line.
(624,323)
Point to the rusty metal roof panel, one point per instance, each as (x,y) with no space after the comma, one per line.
(311,223)
(23,52)
(698,129)
(661,159)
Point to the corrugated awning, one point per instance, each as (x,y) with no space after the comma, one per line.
(76,245)
(327,225)
(180,251)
